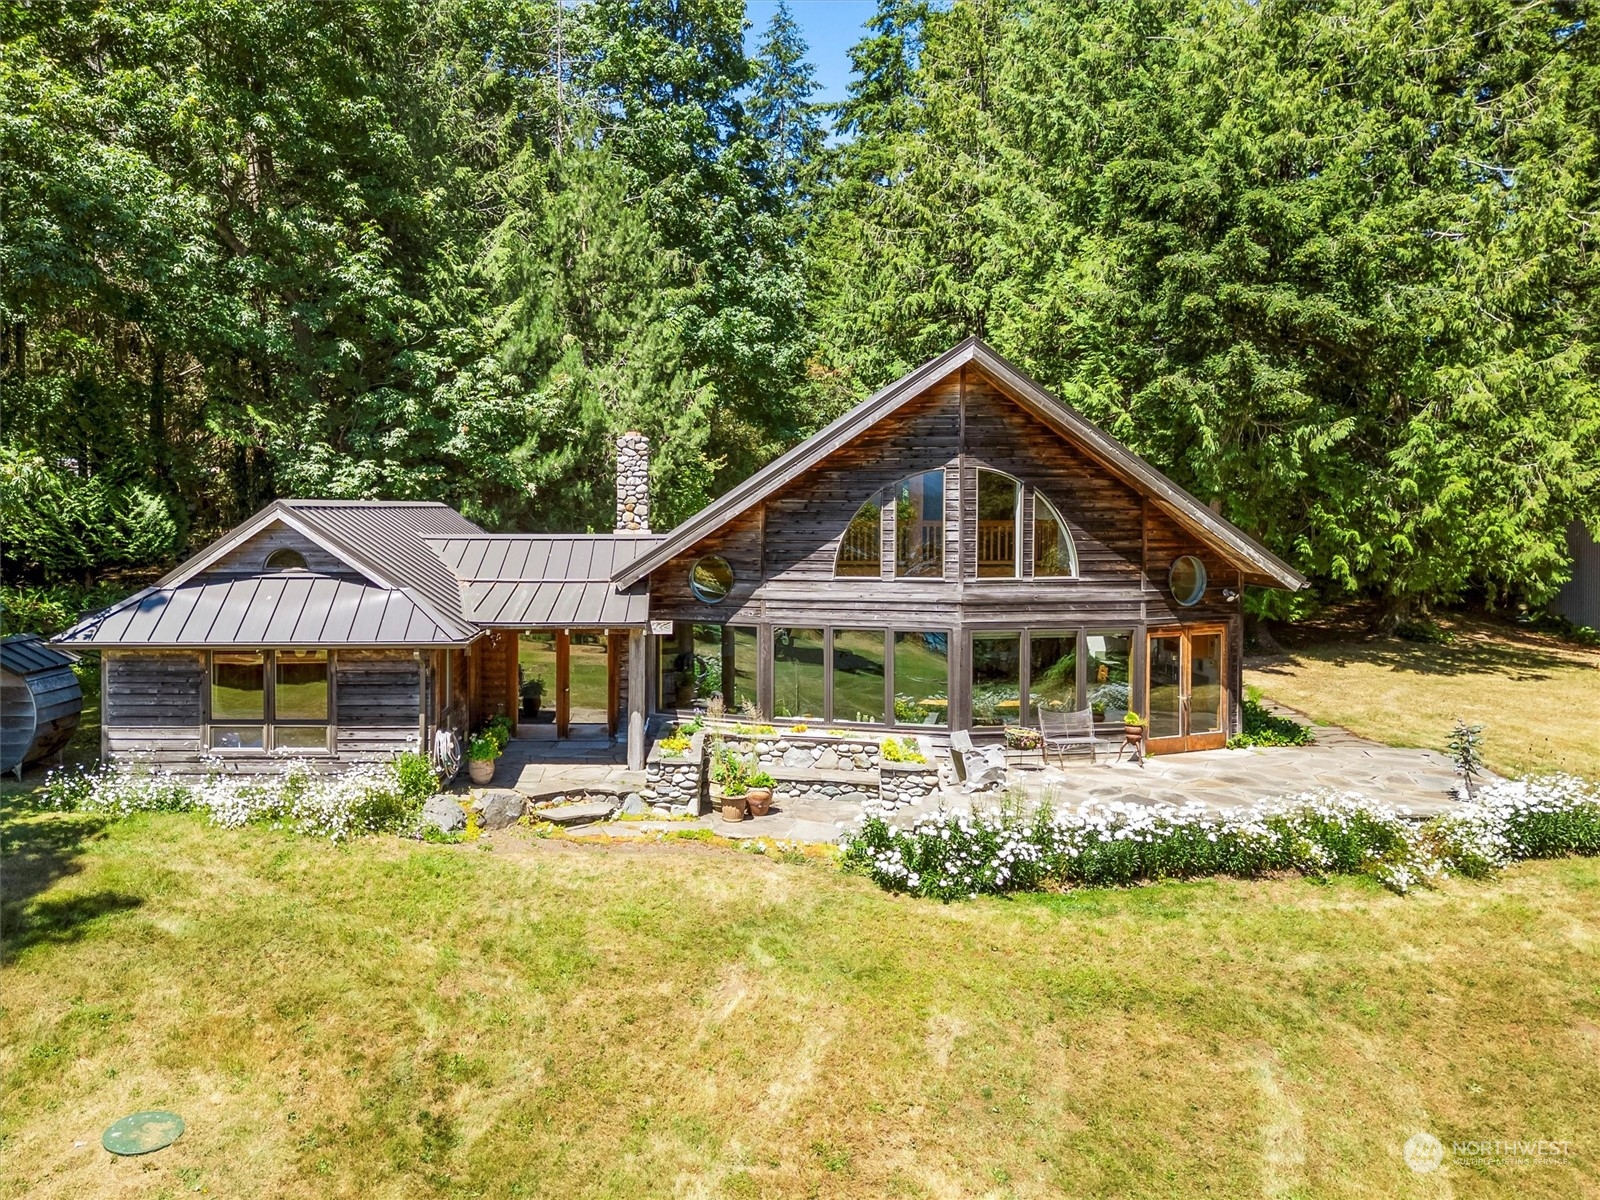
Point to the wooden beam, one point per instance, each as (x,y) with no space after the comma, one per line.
(638,689)
(614,644)
(563,683)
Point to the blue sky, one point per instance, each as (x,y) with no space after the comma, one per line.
(831,27)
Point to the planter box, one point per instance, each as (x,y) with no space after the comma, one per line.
(678,780)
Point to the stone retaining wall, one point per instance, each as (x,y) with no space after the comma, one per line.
(677,780)
(776,751)
(900,784)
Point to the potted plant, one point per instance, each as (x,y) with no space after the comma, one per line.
(735,801)
(760,794)
(482,750)
(731,778)
(1132,725)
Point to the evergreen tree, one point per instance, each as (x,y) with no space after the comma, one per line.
(788,124)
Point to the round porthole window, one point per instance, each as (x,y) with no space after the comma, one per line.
(286,560)
(1187,580)
(711,579)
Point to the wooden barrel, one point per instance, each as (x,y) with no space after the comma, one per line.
(40,701)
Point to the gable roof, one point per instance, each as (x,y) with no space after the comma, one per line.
(382,539)
(1110,453)
(409,597)
(287,608)
(528,581)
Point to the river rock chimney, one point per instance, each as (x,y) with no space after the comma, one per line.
(633,483)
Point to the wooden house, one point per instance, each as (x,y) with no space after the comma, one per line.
(957,551)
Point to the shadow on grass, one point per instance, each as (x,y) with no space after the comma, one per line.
(1465,657)
(36,851)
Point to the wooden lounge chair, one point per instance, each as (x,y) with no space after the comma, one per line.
(1063,731)
(976,769)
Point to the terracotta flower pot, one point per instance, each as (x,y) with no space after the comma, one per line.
(760,801)
(1132,732)
(480,770)
(733,807)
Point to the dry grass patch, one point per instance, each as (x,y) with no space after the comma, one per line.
(545,1018)
(1537,697)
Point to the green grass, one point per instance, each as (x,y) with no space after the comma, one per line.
(1537,697)
(544,1018)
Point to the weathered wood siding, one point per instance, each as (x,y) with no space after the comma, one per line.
(377,703)
(250,557)
(782,552)
(154,707)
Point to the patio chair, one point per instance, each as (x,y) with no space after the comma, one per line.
(1063,731)
(976,769)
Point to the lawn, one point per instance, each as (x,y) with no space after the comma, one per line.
(542,1018)
(1537,697)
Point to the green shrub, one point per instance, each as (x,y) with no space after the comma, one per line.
(901,750)
(1261,728)
(416,777)
(482,748)
(951,855)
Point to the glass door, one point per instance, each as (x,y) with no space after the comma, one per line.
(1188,691)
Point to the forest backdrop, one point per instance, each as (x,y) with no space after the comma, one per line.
(1332,264)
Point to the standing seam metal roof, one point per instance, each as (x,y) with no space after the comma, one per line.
(529,581)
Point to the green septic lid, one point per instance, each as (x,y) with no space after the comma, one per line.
(143,1132)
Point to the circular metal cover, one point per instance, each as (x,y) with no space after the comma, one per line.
(143,1132)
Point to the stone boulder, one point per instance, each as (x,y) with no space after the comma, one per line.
(500,808)
(634,806)
(444,813)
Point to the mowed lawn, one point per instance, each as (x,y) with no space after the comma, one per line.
(1537,697)
(542,1018)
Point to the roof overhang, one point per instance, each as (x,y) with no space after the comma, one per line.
(285,609)
(1257,562)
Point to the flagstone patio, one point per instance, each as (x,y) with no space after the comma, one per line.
(1418,780)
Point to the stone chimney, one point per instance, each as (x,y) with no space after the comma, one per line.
(633,483)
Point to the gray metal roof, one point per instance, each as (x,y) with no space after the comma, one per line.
(391,537)
(286,608)
(529,581)
(29,653)
(1197,517)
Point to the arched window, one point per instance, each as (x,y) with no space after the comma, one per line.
(999,512)
(919,526)
(861,548)
(286,559)
(1054,555)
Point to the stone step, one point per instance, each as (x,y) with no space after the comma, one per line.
(586,813)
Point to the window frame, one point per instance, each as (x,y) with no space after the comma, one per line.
(893,506)
(1020,493)
(269,722)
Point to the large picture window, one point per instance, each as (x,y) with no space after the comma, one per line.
(996,678)
(1053,670)
(797,672)
(921,678)
(702,662)
(1109,656)
(291,714)
(999,505)
(859,677)
(919,527)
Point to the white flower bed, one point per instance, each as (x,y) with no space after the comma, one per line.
(296,797)
(947,855)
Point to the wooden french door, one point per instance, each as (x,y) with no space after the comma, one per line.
(1185,670)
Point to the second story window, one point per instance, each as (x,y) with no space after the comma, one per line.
(999,510)
(919,527)
(861,547)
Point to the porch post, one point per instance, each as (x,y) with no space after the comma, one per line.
(638,690)
(563,684)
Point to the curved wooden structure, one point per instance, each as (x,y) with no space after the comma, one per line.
(40,701)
